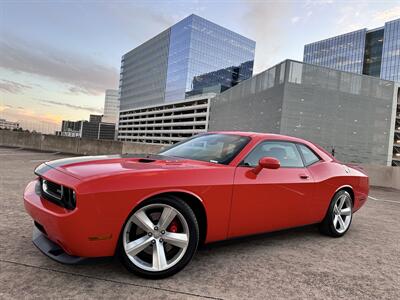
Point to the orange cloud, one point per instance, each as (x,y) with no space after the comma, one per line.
(29,119)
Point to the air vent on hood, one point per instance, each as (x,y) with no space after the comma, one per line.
(146,160)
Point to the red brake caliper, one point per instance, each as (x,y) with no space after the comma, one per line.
(173,227)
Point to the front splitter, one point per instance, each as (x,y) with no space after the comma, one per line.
(54,251)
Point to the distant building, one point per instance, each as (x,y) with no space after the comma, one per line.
(96,118)
(163,69)
(4,124)
(373,52)
(358,116)
(166,123)
(71,128)
(95,128)
(111,106)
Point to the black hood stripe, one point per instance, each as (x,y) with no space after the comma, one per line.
(79,159)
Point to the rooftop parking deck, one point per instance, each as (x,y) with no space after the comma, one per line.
(292,264)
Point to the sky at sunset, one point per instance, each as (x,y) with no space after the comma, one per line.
(58,57)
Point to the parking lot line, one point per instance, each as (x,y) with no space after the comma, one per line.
(110,280)
(383,200)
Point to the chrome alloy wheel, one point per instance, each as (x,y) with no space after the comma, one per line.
(342,213)
(156,237)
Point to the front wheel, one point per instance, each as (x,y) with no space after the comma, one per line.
(159,238)
(338,218)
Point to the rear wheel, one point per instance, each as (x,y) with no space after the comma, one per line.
(339,216)
(159,238)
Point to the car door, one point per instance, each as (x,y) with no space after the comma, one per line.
(275,198)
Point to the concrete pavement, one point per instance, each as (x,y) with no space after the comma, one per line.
(294,264)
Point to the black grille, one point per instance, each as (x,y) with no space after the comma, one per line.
(58,194)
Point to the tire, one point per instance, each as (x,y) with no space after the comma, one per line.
(164,246)
(339,215)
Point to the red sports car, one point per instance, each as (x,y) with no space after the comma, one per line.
(154,210)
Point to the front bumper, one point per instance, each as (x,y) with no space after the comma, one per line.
(52,250)
(70,230)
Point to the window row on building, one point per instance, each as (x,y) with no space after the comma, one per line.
(165,123)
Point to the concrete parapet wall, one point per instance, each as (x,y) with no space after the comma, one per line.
(45,142)
(383,176)
(94,147)
(20,139)
(140,148)
(58,143)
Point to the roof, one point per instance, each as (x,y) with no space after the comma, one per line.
(259,134)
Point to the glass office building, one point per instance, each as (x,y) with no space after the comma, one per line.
(111,106)
(193,57)
(373,52)
(390,68)
(344,52)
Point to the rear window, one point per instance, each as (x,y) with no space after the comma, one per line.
(309,156)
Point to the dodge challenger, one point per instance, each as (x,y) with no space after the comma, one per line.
(153,211)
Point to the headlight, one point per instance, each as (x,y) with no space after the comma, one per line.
(58,194)
(69,198)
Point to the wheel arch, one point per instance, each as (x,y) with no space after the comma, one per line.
(348,189)
(194,202)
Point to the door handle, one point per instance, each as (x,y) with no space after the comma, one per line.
(304,176)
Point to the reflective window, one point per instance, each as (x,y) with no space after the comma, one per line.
(194,56)
(309,156)
(142,77)
(390,69)
(373,53)
(205,57)
(344,52)
(285,152)
(216,148)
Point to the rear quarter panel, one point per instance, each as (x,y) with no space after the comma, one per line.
(330,177)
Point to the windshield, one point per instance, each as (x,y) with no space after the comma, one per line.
(214,147)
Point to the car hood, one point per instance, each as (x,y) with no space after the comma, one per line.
(88,167)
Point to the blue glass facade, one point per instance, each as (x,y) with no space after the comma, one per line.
(390,68)
(194,56)
(373,53)
(344,52)
(203,51)
(370,52)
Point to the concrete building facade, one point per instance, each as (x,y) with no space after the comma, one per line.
(353,114)
(168,67)
(374,52)
(111,106)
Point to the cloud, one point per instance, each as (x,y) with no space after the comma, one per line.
(127,17)
(295,19)
(77,107)
(77,91)
(350,19)
(13,87)
(387,14)
(28,119)
(80,72)
(265,22)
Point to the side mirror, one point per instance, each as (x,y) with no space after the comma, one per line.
(266,163)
